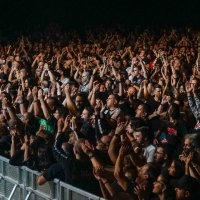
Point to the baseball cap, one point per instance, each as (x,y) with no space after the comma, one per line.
(186,183)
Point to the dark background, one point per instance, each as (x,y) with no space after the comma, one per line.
(20,14)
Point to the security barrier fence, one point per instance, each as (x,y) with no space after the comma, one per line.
(20,183)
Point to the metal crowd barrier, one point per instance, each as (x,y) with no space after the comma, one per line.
(20,183)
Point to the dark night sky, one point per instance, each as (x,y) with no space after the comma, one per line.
(22,13)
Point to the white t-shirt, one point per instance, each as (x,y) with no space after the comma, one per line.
(149,153)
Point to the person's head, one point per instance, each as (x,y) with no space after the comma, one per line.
(26,82)
(194,83)
(146,173)
(23,72)
(191,142)
(169,96)
(38,72)
(79,101)
(142,111)
(108,83)
(186,188)
(176,169)
(158,91)
(161,185)
(40,64)
(86,113)
(45,157)
(130,173)
(27,118)
(103,143)
(150,88)
(102,88)
(60,112)
(15,64)
(45,136)
(124,62)
(112,101)
(67,148)
(142,53)
(61,71)
(131,91)
(78,152)
(177,63)
(85,77)
(136,71)
(134,124)
(160,155)
(141,134)
(173,111)
(15,127)
(45,84)
(51,103)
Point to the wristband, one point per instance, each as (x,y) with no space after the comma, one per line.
(91,155)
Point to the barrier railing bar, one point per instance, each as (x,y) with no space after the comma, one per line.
(10,180)
(38,193)
(74,189)
(13,191)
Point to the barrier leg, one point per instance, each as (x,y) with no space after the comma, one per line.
(13,191)
(28,195)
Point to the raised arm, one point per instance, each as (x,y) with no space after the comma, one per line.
(51,76)
(70,104)
(118,171)
(113,150)
(7,106)
(43,104)
(143,67)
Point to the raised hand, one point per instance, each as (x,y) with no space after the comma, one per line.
(125,149)
(139,190)
(120,128)
(87,148)
(40,94)
(67,89)
(164,99)
(35,91)
(188,87)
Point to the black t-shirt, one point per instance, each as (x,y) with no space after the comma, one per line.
(137,80)
(54,171)
(153,105)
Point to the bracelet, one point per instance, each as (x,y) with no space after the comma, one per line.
(91,155)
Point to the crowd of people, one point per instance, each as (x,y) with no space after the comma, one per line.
(115,112)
